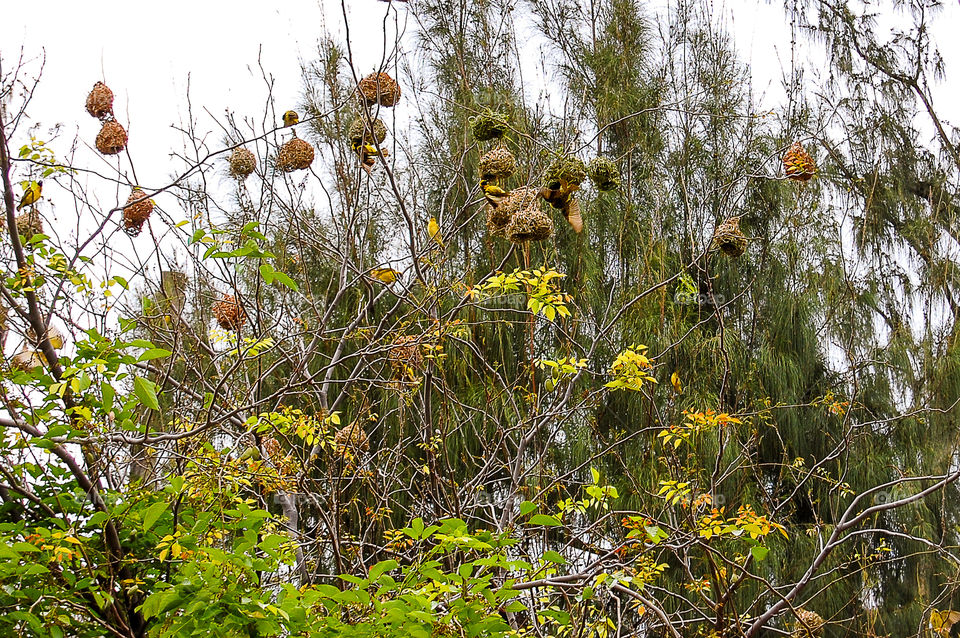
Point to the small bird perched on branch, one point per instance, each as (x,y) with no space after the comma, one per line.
(433,229)
(290,118)
(368,154)
(492,192)
(31,194)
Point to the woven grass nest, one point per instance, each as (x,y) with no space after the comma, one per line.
(809,624)
(136,211)
(295,155)
(379,88)
(499,216)
(112,138)
(352,438)
(100,101)
(729,239)
(798,164)
(229,314)
(29,223)
(604,174)
(242,163)
(565,171)
(497,163)
(405,355)
(529,224)
(488,125)
(360,132)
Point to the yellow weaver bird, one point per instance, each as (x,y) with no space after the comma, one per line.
(290,118)
(31,194)
(492,192)
(675,380)
(386,275)
(433,229)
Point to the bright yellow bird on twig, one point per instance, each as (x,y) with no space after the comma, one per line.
(290,118)
(31,193)
(433,229)
(386,275)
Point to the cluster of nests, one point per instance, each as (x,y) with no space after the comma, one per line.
(517,214)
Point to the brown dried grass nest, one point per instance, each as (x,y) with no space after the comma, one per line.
(529,224)
(809,624)
(229,314)
(136,211)
(497,163)
(379,88)
(295,155)
(27,360)
(29,223)
(112,138)
(100,101)
(360,132)
(242,162)
(798,164)
(352,438)
(405,355)
(729,239)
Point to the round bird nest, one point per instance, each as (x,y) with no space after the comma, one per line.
(112,138)
(405,355)
(529,224)
(604,174)
(295,155)
(29,223)
(496,221)
(229,314)
(798,163)
(379,88)
(242,163)
(498,217)
(497,163)
(100,101)
(136,211)
(809,624)
(729,239)
(352,438)
(27,360)
(565,169)
(488,125)
(360,132)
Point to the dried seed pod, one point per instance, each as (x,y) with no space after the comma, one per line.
(242,162)
(295,155)
(229,314)
(809,624)
(488,125)
(729,239)
(136,211)
(405,355)
(100,101)
(798,164)
(112,138)
(529,224)
(379,88)
(27,360)
(29,223)
(604,174)
(567,171)
(497,163)
(360,132)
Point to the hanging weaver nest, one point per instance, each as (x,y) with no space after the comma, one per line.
(136,211)
(729,238)
(27,360)
(488,125)
(360,132)
(229,314)
(242,162)
(352,439)
(405,355)
(499,216)
(814,624)
(496,220)
(604,174)
(112,138)
(529,224)
(379,88)
(295,155)
(56,337)
(100,101)
(497,163)
(29,223)
(567,171)
(572,213)
(798,163)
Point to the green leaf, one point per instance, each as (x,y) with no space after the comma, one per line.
(545,519)
(526,507)
(554,557)
(152,514)
(146,391)
(759,552)
(154,353)
(381,568)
